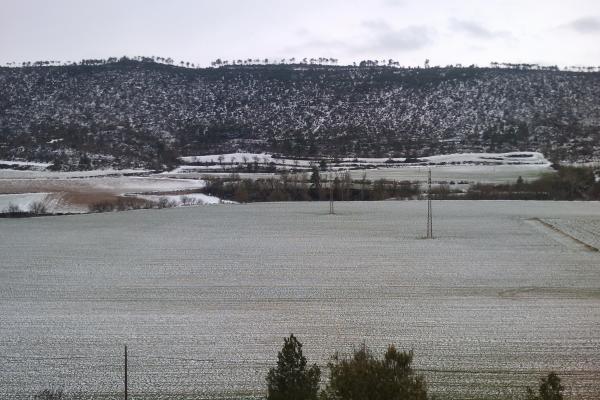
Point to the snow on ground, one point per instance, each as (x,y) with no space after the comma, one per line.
(457,173)
(492,301)
(74,192)
(28,174)
(186,199)
(108,184)
(468,168)
(30,164)
(512,158)
(54,202)
(207,174)
(261,158)
(21,200)
(145,184)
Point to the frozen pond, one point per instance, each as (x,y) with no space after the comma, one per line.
(203,296)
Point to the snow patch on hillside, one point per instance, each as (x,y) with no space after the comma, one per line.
(29,164)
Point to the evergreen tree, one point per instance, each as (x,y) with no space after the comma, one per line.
(368,378)
(291,380)
(550,389)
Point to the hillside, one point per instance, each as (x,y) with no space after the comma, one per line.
(132,113)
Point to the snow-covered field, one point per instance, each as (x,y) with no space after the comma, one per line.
(513,158)
(45,174)
(185,199)
(28,164)
(22,200)
(469,168)
(457,173)
(262,158)
(586,229)
(74,191)
(203,296)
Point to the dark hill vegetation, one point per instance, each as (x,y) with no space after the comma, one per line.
(142,113)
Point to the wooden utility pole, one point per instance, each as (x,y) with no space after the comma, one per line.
(125,372)
(429,209)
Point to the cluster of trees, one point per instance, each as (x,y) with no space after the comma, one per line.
(363,377)
(275,61)
(129,203)
(568,183)
(538,67)
(293,60)
(301,187)
(98,61)
(37,208)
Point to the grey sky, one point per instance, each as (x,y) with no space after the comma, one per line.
(563,32)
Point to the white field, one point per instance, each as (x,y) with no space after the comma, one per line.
(457,173)
(513,158)
(29,164)
(468,174)
(262,158)
(22,200)
(468,167)
(74,191)
(185,199)
(203,296)
(45,174)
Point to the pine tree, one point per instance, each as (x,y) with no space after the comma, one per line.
(291,380)
(550,389)
(366,377)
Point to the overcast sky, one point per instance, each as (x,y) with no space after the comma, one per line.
(563,32)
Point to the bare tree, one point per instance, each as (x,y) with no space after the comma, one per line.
(38,208)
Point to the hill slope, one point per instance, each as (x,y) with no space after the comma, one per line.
(137,113)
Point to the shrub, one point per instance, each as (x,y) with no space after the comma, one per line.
(120,204)
(549,389)
(291,380)
(367,378)
(102,206)
(13,210)
(164,202)
(50,394)
(38,208)
(188,201)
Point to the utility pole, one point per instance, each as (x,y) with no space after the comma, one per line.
(429,210)
(331,196)
(125,372)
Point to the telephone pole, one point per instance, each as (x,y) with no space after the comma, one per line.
(429,209)
(125,372)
